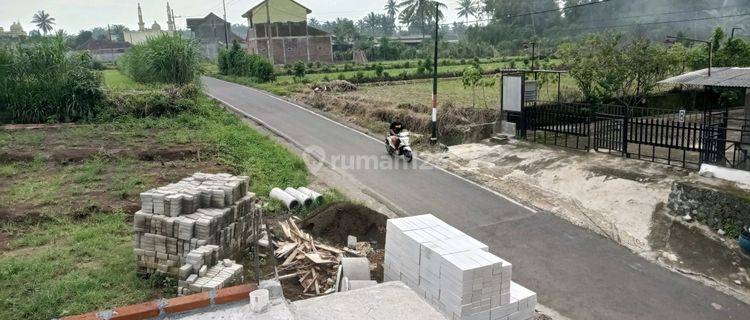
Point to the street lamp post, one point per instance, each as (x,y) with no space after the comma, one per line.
(672,39)
(733,29)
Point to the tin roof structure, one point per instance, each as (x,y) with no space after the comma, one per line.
(720,77)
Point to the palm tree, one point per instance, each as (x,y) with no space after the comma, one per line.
(43,21)
(391,8)
(118,31)
(419,11)
(466,9)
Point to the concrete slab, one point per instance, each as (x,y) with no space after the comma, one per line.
(392,300)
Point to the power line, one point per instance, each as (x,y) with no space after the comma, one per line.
(625,17)
(558,9)
(659,22)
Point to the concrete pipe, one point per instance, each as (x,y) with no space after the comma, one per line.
(304,199)
(317,197)
(289,201)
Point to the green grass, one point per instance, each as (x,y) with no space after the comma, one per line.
(449,90)
(70,267)
(115,80)
(7,170)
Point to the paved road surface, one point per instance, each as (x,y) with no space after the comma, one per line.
(574,271)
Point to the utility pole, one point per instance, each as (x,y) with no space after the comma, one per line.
(533,56)
(226,32)
(673,39)
(268,33)
(434,139)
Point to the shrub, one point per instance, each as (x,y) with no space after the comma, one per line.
(41,82)
(165,59)
(342,76)
(379,69)
(261,69)
(234,61)
(299,70)
(171,100)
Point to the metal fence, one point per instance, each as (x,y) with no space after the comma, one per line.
(672,137)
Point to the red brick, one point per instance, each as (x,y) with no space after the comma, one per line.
(187,303)
(87,316)
(137,311)
(233,294)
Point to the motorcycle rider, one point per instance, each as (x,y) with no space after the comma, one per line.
(395,128)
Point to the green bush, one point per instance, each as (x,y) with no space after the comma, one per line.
(379,69)
(170,101)
(299,70)
(164,59)
(236,62)
(261,69)
(41,82)
(233,62)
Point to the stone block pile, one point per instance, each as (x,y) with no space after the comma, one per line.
(204,271)
(205,209)
(452,271)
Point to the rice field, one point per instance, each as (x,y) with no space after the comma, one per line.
(450,91)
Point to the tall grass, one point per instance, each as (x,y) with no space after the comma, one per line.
(42,82)
(163,59)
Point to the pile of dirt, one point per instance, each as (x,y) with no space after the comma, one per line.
(338,220)
(335,86)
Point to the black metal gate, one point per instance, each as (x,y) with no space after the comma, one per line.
(609,128)
(727,139)
(560,124)
(672,137)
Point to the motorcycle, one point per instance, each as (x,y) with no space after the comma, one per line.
(404,147)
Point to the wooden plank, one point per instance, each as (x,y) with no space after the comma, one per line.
(287,276)
(286,249)
(328,248)
(317,259)
(291,257)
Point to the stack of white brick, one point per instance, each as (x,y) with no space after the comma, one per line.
(205,209)
(452,271)
(203,271)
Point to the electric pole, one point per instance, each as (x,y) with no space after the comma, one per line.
(268,34)
(226,32)
(433,139)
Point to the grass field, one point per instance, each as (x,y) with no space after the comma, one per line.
(449,91)
(285,85)
(67,196)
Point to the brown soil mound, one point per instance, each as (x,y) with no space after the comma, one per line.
(338,220)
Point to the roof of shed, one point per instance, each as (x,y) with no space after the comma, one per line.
(720,77)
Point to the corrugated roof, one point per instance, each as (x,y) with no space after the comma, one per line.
(720,77)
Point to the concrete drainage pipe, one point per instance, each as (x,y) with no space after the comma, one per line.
(317,197)
(301,197)
(288,200)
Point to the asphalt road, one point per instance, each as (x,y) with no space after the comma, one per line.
(574,271)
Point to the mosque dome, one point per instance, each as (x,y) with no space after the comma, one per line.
(155,26)
(16,27)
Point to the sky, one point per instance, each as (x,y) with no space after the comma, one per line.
(75,15)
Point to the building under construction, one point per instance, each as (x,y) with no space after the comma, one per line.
(279,31)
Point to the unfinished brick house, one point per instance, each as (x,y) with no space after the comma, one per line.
(279,31)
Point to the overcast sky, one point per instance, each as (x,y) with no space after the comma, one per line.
(75,15)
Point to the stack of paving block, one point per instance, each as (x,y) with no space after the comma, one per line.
(204,271)
(452,271)
(205,209)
